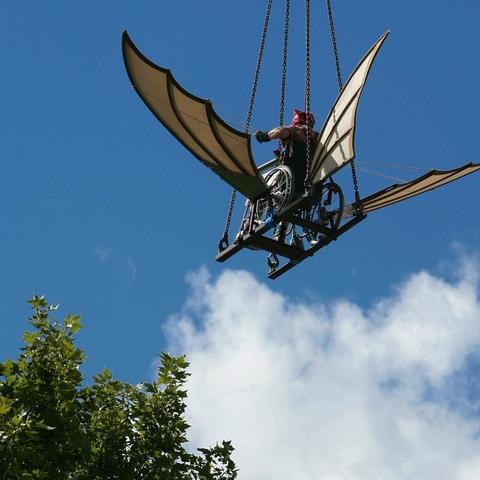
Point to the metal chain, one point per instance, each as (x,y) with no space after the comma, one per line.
(307,90)
(334,45)
(340,86)
(284,62)
(257,69)
(223,244)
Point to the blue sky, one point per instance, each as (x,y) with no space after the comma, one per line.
(88,169)
(104,212)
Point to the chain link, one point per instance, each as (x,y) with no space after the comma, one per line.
(223,244)
(334,45)
(284,62)
(224,240)
(340,86)
(307,91)
(257,69)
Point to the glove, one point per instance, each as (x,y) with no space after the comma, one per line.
(262,137)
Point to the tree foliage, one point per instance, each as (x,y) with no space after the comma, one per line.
(52,426)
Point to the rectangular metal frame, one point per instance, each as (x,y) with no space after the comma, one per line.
(255,238)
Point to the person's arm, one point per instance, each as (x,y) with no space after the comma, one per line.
(280,133)
(284,133)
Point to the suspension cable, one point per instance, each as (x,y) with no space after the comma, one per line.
(340,86)
(284,62)
(383,175)
(307,91)
(334,45)
(396,166)
(258,66)
(223,244)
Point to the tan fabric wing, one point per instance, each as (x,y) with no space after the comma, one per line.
(194,123)
(335,147)
(431,180)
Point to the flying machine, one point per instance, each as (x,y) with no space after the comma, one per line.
(319,214)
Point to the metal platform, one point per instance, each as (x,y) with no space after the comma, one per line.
(323,242)
(256,238)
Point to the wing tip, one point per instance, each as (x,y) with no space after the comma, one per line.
(382,38)
(126,38)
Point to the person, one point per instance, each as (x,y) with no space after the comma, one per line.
(294,140)
(294,143)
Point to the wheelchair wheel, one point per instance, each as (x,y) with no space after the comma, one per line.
(280,182)
(328,210)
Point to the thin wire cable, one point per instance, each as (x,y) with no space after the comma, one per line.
(394,165)
(234,121)
(187,114)
(383,175)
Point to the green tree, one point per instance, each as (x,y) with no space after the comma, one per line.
(52,426)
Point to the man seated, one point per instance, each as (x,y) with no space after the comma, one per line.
(294,144)
(294,139)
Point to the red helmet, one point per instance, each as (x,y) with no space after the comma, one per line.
(300,118)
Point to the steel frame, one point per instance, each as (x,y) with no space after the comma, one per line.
(256,237)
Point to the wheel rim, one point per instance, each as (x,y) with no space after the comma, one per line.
(280,182)
(333,203)
(328,210)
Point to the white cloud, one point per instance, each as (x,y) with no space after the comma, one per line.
(332,392)
(131,272)
(123,267)
(103,253)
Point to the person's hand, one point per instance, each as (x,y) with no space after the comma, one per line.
(262,137)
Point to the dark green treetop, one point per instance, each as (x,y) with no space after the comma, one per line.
(52,426)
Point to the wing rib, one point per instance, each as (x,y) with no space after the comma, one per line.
(222,143)
(179,117)
(194,123)
(342,118)
(326,150)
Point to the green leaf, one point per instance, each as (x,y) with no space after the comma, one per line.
(5,405)
(38,302)
(73,323)
(30,337)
